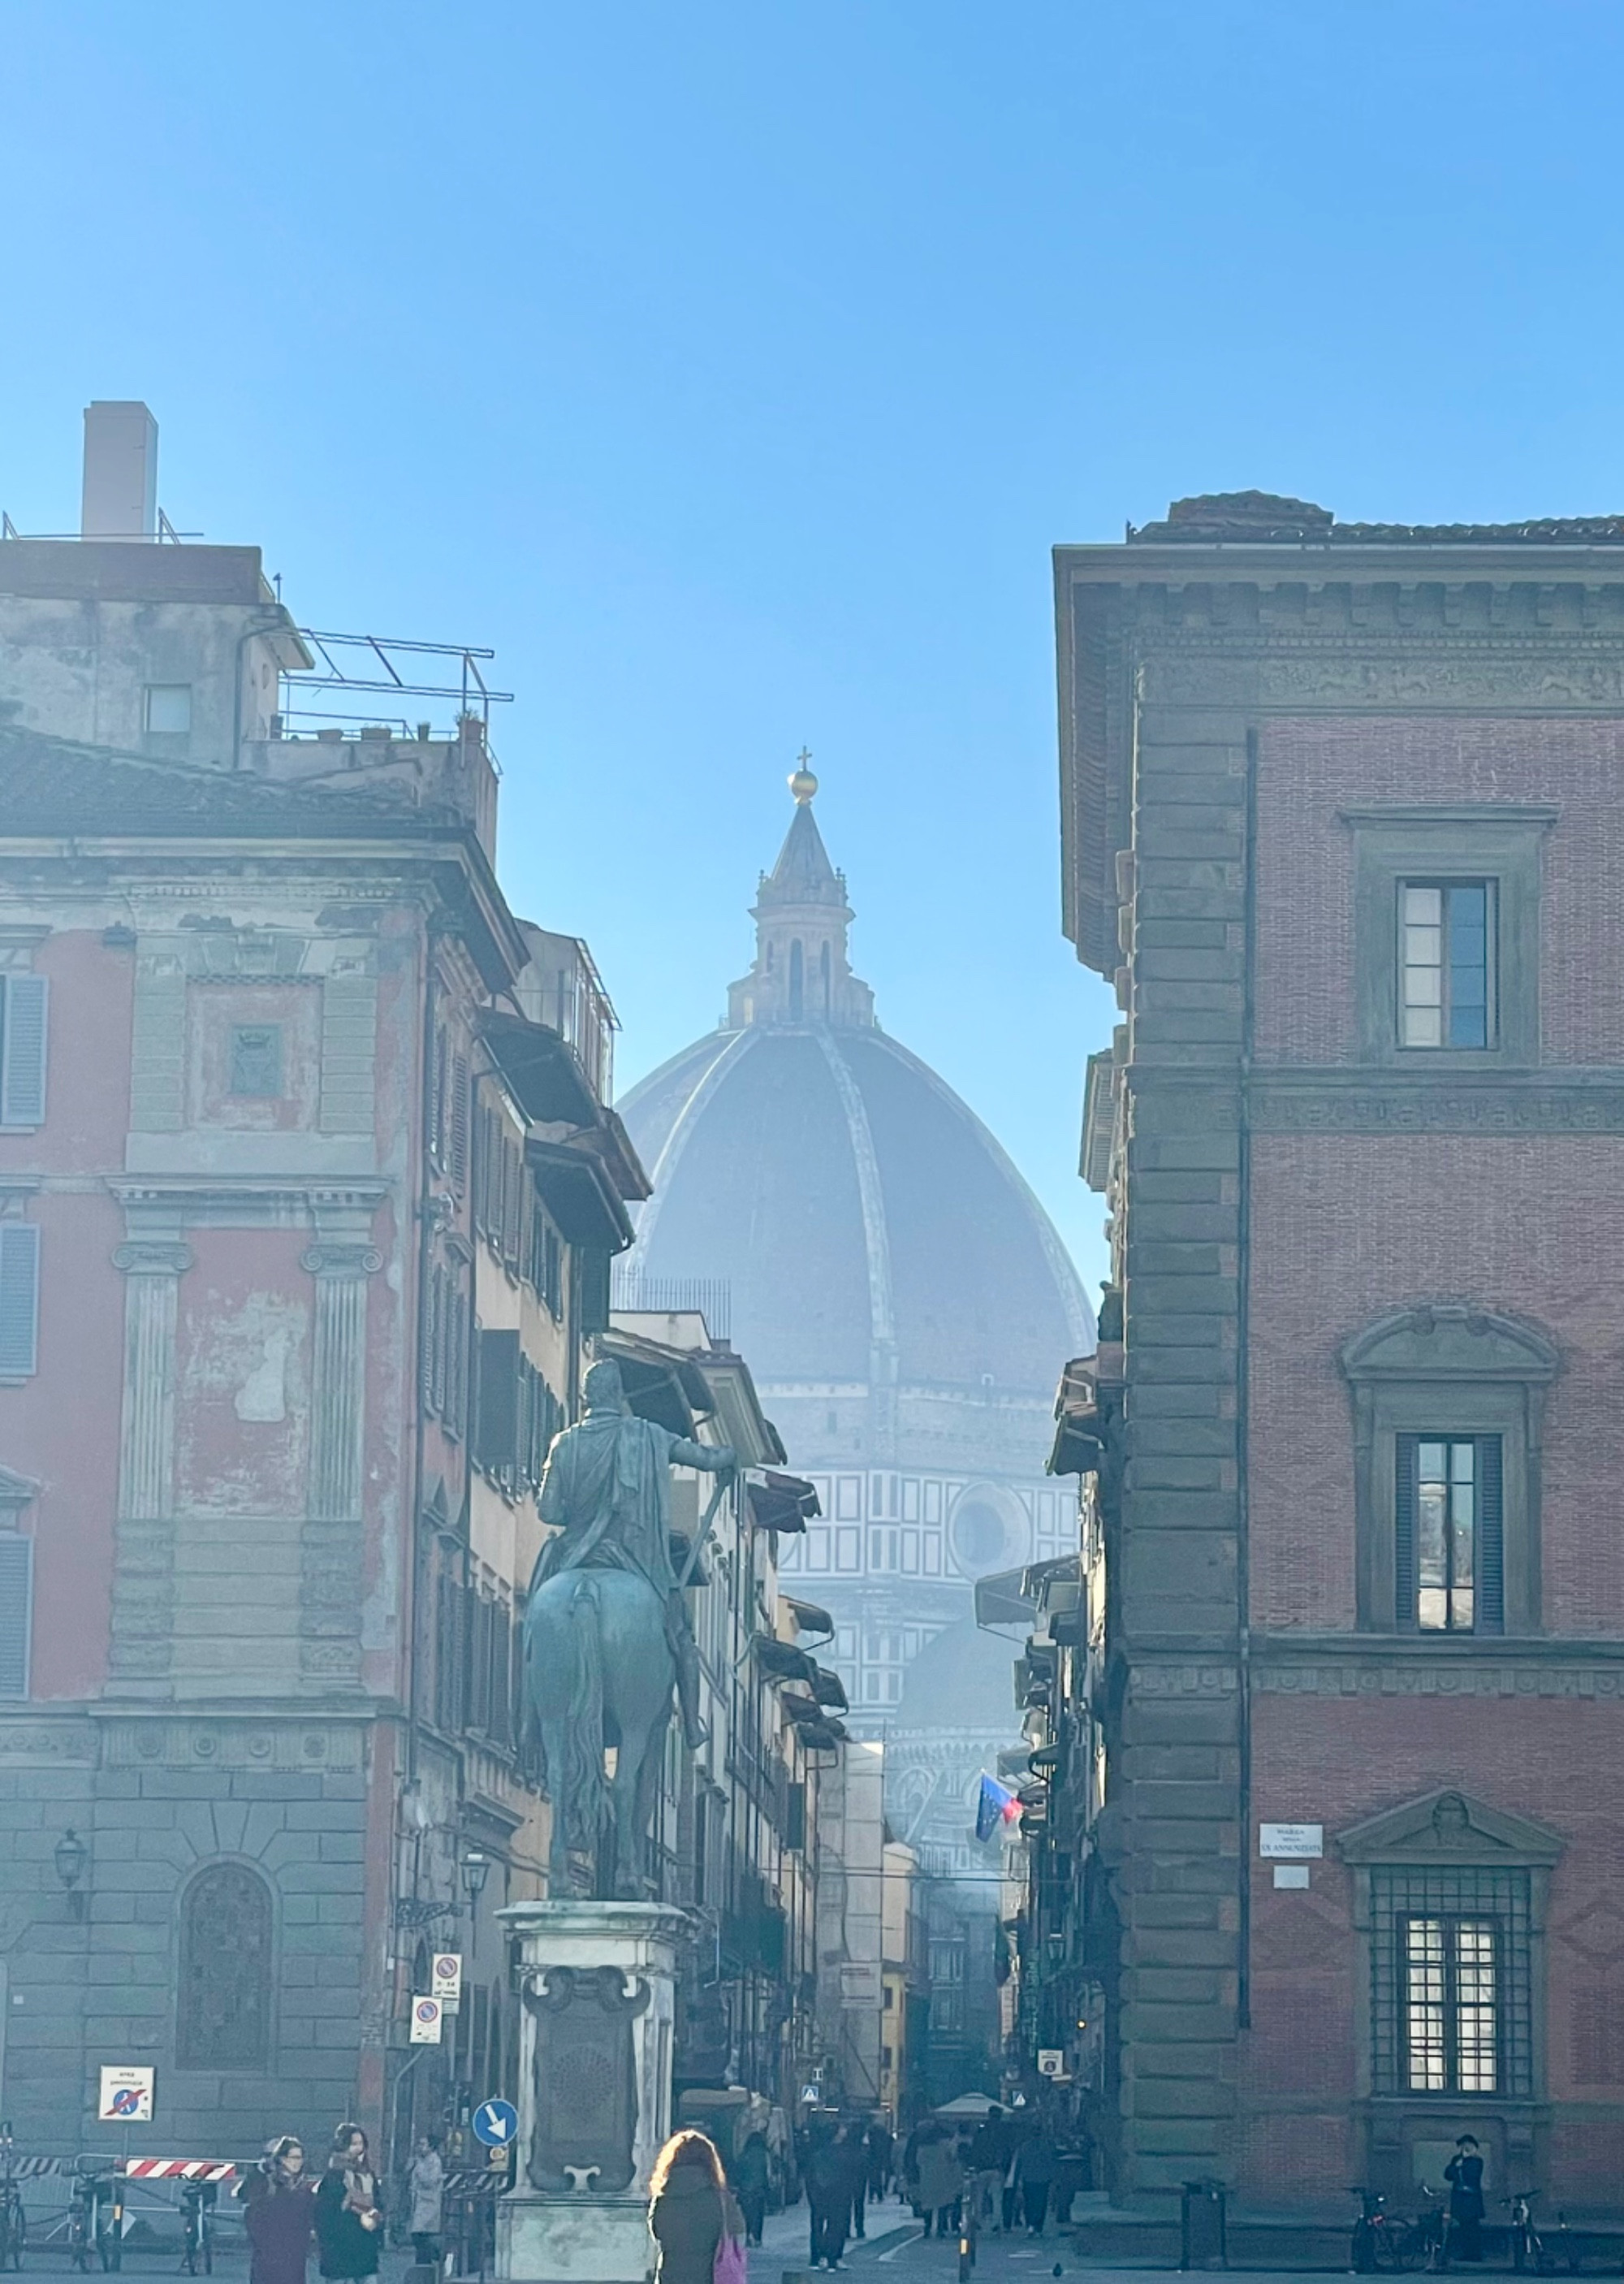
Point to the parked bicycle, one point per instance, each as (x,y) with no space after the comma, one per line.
(969,2230)
(1385,2242)
(1527,2246)
(13,2221)
(198,2201)
(94,2232)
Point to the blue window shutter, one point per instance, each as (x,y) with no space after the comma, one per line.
(22,1051)
(1491,1538)
(16,1611)
(1405,1608)
(20,1298)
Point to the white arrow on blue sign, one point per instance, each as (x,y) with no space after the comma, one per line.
(496,2123)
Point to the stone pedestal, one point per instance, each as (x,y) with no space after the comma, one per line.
(596,1984)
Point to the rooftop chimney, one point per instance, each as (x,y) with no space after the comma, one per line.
(120,473)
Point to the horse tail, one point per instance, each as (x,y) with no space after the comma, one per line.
(583,1795)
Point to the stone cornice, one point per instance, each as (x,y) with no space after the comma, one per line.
(1354,1098)
(1181,563)
(1169,1675)
(294,1197)
(1376,1665)
(1531,813)
(1559,672)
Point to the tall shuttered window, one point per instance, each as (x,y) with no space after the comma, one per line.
(16,1611)
(1450,1561)
(22,1049)
(20,1298)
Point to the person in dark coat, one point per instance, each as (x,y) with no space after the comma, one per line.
(880,2147)
(752,2180)
(1464,2174)
(1035,2167)
(827,2182)
(854,2147)
(279,2214)
(910,2165)
(349,2221)
(690,2209)
(984,2164)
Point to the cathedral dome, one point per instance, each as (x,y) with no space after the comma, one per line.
(871,1234)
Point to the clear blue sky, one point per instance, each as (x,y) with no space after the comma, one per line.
(732,369)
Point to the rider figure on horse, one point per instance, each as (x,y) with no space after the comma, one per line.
(607,1482)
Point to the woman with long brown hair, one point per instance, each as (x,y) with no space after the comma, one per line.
(691,2213)
(348,2219)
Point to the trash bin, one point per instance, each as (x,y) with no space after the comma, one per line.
(1202,2222)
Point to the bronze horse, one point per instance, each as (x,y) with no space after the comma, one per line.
(598,1670)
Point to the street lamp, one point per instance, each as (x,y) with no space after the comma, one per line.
(69,1856)
(475,1868)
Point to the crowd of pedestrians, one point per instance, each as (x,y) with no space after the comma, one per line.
(1002,2173)
(1006,2173)
(287,2213)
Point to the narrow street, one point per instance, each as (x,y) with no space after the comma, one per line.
(895,2246)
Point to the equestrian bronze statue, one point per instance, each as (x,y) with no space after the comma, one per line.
(606,1637)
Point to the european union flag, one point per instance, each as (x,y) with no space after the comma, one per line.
(997,1805)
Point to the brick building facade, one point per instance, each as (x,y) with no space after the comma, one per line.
(1343,820)
(308,1190)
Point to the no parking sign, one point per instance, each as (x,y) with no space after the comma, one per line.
(427,2015)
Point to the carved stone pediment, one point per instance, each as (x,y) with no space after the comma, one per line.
(1449,1342)
(1448,1828)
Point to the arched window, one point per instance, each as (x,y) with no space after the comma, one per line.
(797,971)
(823,970)
(224,2005)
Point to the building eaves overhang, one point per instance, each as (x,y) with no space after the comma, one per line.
(577,1192)
(829,1690)
(661,1384)
(619,1154)
(1002,1602)
(215,812)
(551,1089)
(748,1429)
(785,1503)
(541,1067)
(810,1618)
(783,1661)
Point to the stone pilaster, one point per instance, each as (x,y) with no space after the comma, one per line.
(330,1562)
(144,1562)
(349,1048)
(158,1044)
(1179,1768)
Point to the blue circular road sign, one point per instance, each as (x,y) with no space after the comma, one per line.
(496,2123)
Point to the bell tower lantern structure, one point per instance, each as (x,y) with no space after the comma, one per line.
(802,974)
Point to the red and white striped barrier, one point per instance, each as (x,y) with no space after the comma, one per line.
(177,2169)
